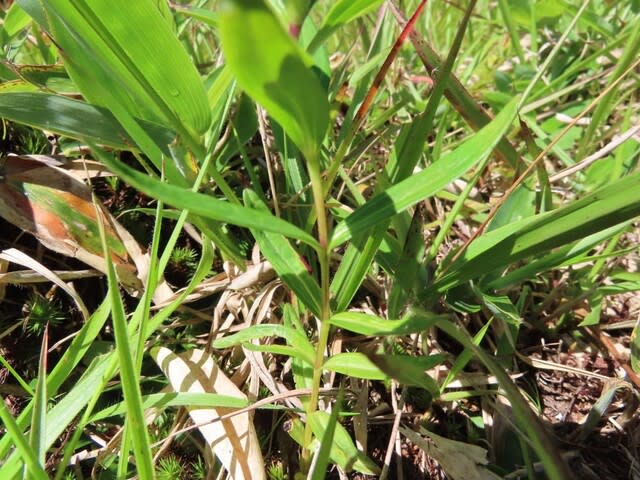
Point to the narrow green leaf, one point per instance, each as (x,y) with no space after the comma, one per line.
(285,260)
(345,11)
(341,13)
(14,434)
(174,399)
(562,256)
(597,211)
(343,452)
(272,69)
(74,119)
(504,310)
(464,358)
(292,336)
(202,14)
(15,20)
(426,183)
(35,10)
(204,205)
(65,365)
(405,369)
(409,370)
(37,436)
(323,455)
(371,325)
(354,266)
(128,373)
(599,409)
(355,364)
(64,412)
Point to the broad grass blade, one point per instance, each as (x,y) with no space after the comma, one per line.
(206,206)
(322,455)
(149,70)
(365,324)
(343,452)
(285,260)
(403,368)
(294,338)
(597,211)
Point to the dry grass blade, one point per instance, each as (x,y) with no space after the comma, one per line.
(234,440)
(20,258)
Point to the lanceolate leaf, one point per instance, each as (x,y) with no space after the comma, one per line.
(426,183)
(403,368)
(365,324)
(293,337)
(270,67)
(341,13)
(343,452)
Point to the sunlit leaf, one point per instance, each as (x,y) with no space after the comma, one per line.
(272,69)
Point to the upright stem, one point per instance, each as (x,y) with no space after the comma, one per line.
(325,308)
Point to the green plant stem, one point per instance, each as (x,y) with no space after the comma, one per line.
(325,309)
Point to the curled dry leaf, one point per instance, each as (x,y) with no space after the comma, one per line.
(461,461)
(39,196)
(234,440)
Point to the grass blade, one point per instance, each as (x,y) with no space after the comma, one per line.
(293,337)
(128,374)
(74,119)
(286,261)
(14,433)
(364,324)
(93,33)
(206,206)
(598,211)
(37,436)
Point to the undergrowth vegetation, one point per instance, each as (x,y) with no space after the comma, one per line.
(257,239)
